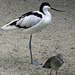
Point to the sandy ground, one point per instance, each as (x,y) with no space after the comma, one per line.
(58,37)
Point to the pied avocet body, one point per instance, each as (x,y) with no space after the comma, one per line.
(32,22)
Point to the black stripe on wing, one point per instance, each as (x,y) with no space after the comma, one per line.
(13,23)
(31,13)
(22,26)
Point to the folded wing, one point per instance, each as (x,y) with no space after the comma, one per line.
(29,19)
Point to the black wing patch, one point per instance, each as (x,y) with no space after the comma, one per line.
(13,23)
(22,26)
(31,13)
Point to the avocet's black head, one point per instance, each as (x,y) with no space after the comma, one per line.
(44,5)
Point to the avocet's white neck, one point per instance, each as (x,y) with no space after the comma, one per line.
(47,13)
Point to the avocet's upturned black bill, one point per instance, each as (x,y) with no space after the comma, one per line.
(57,10)
(31,22)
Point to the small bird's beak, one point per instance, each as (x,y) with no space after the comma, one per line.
(56,10)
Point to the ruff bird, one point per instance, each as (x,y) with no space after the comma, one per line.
(54,63)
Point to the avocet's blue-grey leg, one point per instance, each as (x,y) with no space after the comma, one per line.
(30,49)
(34,63)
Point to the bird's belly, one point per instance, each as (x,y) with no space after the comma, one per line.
(55,68)
(38,27)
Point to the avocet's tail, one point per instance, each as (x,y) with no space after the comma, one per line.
(11,25)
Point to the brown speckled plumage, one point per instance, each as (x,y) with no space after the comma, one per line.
(54,63)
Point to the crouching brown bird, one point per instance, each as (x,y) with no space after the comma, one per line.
(54,63)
